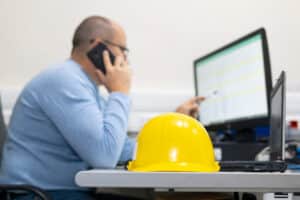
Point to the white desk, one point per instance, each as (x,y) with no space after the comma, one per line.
(190,181)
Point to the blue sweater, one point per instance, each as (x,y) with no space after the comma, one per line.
(61,125)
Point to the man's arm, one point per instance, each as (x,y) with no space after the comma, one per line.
(97,136)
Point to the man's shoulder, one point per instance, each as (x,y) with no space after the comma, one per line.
(65,74)
(59,81)
(65,71)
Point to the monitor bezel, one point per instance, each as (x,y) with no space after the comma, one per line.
(243,122)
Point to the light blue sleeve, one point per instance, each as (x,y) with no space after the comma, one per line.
(127,152)
(97,136)
(129,146)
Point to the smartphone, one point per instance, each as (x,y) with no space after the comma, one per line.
(96,56)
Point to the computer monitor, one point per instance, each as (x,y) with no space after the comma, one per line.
(236,81)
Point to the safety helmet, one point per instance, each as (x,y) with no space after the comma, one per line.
(173,142)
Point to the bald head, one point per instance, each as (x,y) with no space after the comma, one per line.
(91,28)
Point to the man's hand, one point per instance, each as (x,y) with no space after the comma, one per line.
(118,76)
(190,107)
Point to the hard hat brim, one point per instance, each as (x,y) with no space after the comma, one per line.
(174,167)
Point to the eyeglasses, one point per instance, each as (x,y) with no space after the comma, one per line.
(125,50)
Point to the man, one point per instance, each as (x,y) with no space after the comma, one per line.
(61,124)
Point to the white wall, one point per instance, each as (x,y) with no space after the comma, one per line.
(164,36)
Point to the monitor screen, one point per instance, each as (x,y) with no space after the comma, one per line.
(235,80)
(277,120)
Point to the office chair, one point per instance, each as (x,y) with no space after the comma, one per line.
(2,131)
(7,190)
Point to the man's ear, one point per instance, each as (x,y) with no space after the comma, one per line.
(96,41)
(93,43)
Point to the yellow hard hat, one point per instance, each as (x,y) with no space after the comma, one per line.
(173,142)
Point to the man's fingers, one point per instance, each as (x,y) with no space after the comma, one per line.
(106,60)
(199,99)
(118,61)
(194,111)
(126,62)
(100,75)
(194,107)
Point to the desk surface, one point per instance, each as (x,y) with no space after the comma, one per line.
(184,181)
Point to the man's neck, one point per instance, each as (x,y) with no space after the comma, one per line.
(86,65)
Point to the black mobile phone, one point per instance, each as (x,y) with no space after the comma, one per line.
(96,56)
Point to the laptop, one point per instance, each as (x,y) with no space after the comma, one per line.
(276,138)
